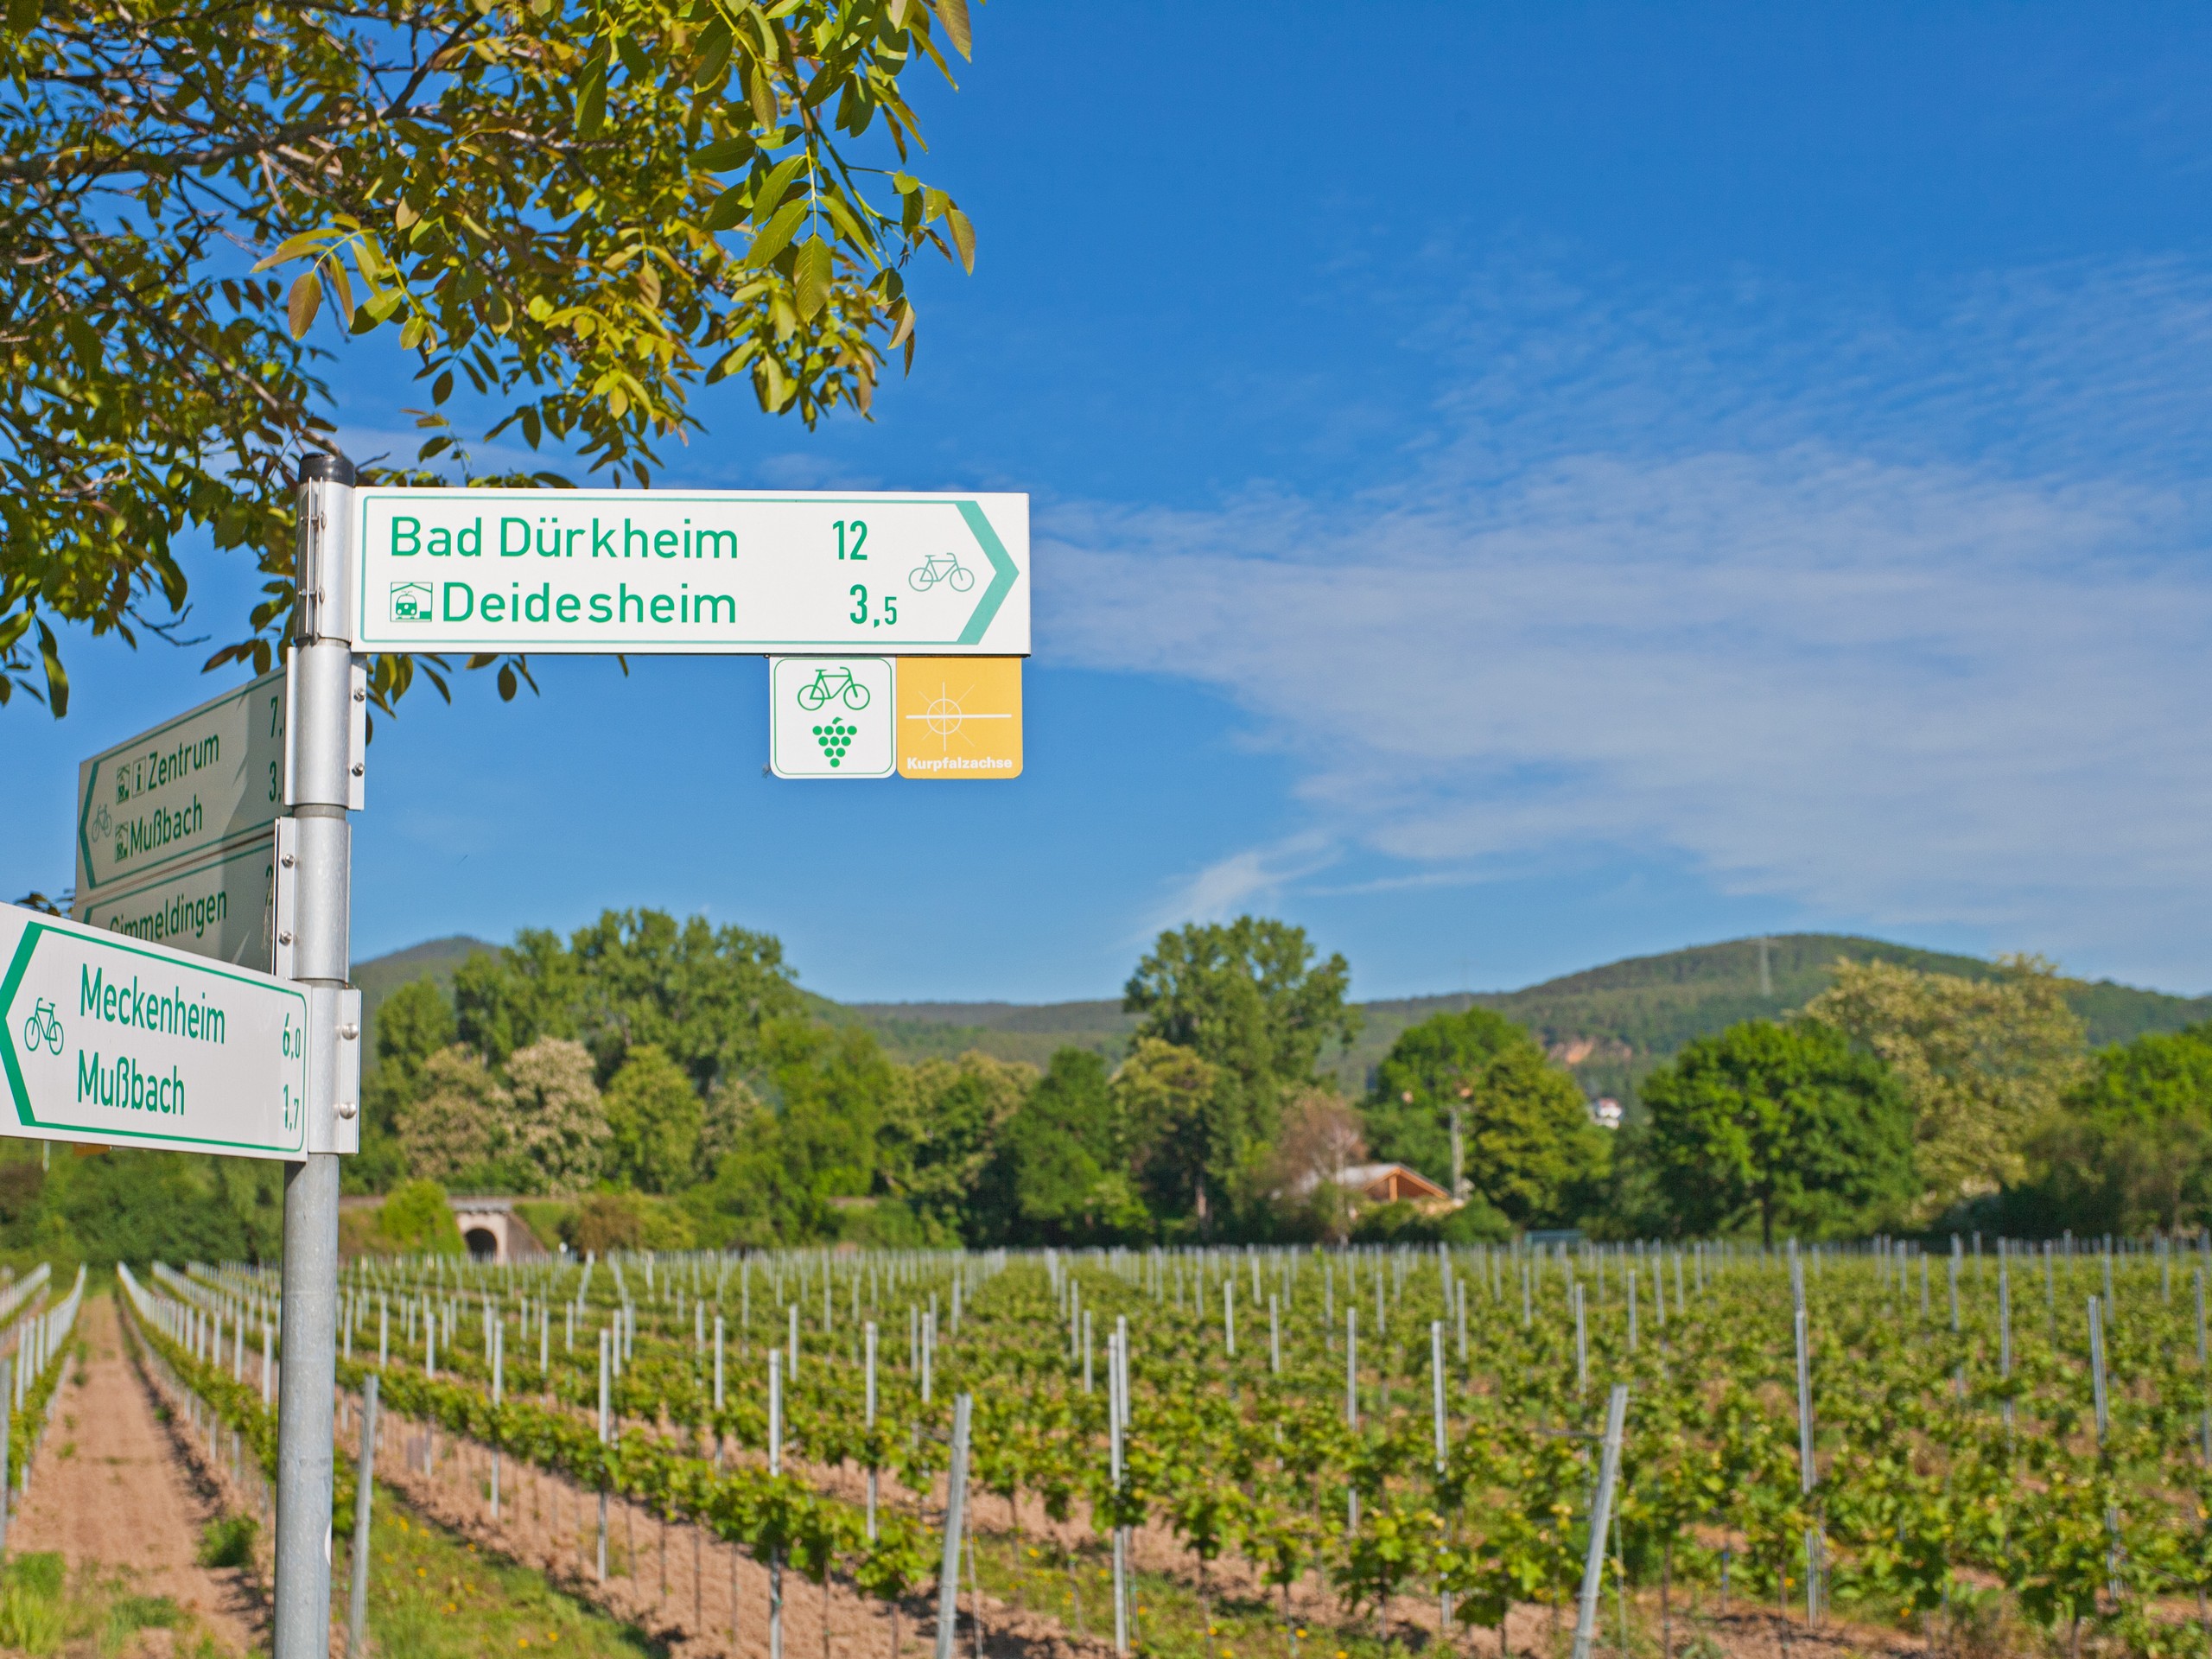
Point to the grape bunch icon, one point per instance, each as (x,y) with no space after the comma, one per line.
(835,738)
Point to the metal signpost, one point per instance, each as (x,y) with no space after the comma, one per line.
(224,833)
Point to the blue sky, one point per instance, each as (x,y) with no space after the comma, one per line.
(1512,488)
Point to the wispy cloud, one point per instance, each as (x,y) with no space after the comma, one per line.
(1256,876)
(1900,615)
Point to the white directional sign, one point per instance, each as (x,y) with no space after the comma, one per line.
(106,1040)
(831,717)
(178,793)
(220,906)
(661,571)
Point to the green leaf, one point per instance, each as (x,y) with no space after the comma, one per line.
(441,388)
(954,15)
(963,237)
(344,288)
(57,677)
(770,196)
(847,221)
(763,97)
(23,17)
(305,301)
(591,102)
(777,235)
(812,276)
(732,152)
(714,53)
(293,247)
(728,207)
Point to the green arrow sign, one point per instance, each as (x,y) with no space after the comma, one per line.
(210,777)
(111,1042)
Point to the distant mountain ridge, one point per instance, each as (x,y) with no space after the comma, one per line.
(1610,1024)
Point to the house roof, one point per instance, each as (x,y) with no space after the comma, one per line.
(1407,1183)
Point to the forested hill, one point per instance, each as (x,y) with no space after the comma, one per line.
(1611,1024)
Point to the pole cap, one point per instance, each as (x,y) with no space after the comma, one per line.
(316,467)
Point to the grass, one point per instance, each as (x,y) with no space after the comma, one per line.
(432,1596)
(44,1611)
(228,1541)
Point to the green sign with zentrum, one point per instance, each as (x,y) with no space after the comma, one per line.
(721,571)
(176,794)
(108,1042)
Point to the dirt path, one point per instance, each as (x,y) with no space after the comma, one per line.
(112,1488)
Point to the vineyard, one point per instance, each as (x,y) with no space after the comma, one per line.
(1381,1447)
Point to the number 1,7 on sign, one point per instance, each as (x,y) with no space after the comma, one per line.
(111,1042)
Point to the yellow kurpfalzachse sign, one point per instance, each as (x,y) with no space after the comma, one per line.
(959,717)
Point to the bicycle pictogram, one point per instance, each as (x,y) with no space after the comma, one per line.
(941,567)
(42,1026)
(832,682)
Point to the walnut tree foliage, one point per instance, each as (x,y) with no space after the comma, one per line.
(577,210)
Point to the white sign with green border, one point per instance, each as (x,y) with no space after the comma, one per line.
(220,906)
(175,794)
(111,1042)
(670,571)
(832,717)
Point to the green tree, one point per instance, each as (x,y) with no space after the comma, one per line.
(150,1206)
(730,1114)
(1982,1061)
(1786,1123)
(827,1090)
(831,1088)
(456,1124)
(558,1124)
(1062,1174)
(1247,997)
(413,1023)
(1429,1075)
(416,1218)
(578,214)
(943,1129)
(1533,1153)
(1163,1098)
(2130,1148)
(653,1117)
(703,995)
